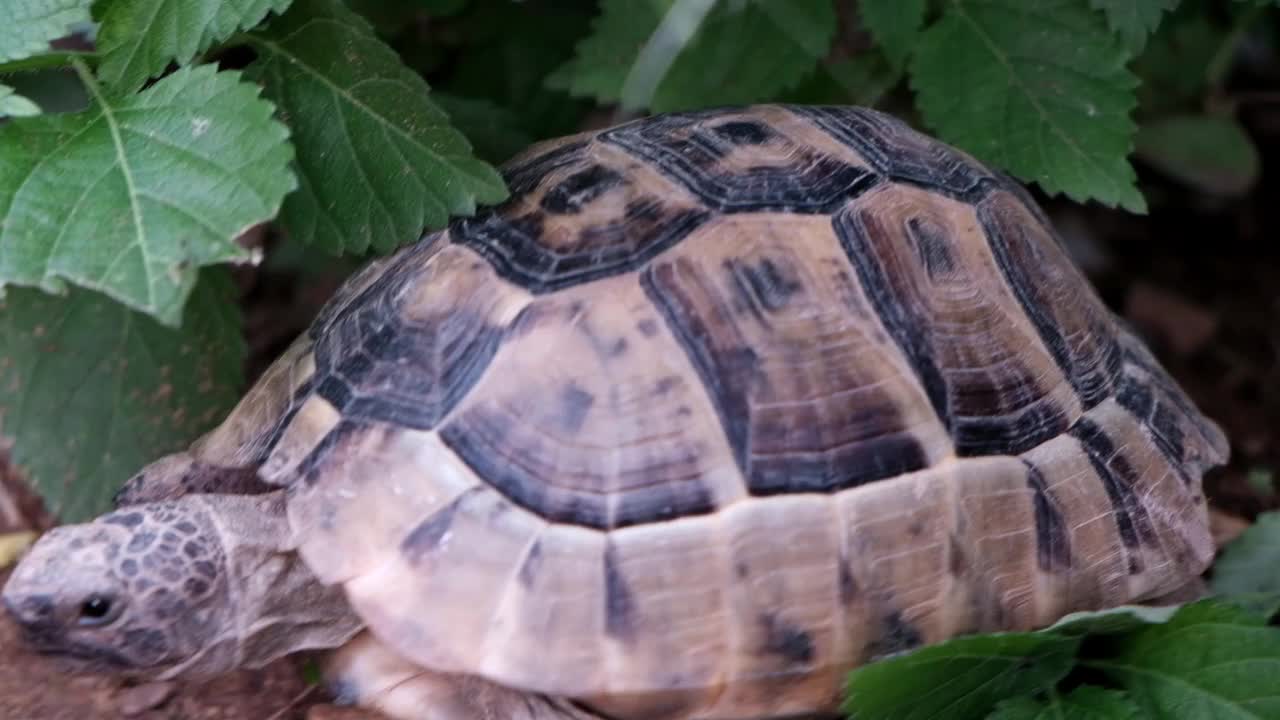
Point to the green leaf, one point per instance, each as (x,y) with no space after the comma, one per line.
(139,38)
(14,105)
(443,8)
(1036,87)
(133,195)
(1084,703)
(1134,20)
(27,26)
(1122,619)
(860,80)
(506,51)
(1211,660)
(958,679)
(1172,66)
(377,159)
(895,24)
(1251,562)
(90,391)
(738,52)
(494,131)
(1212,154)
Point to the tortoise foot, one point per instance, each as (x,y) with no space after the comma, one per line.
(365,673)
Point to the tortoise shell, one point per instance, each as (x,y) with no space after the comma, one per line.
(720,404)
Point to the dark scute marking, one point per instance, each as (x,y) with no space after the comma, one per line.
(1032,426)
(619,603)
(933,246)
(848,584)
(1161,420)
(786,640)
(647,327)
(662,501)
(186,527)
(573,193)
(715,369)
(730,373)
(337,392)
(523,176)
(1118,478)
(372,364)
(515,249)
(309,467)
(744,132)
(812,183)
(901,321)
(1053,541)
(895,150)
(575,403)
(863,463)
(896,635)
(531,566)
(424,538)
(1091,384)
(192,549)
(129,567)
(472,437)
(272,437)
(762,285)
(957,559)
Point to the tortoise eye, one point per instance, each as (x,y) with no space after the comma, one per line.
(95,610)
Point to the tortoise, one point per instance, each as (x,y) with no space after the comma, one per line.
(715,407)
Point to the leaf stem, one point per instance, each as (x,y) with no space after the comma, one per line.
(47,61)
(681,22)
(1218,66)
(109,117)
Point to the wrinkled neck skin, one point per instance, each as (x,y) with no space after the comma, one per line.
(274,605)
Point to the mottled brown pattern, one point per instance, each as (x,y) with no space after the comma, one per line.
(1074,325)
(718,406)
(616,430)
(813,394)
(924,262)
(594,212)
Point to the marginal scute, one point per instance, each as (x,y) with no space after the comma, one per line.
(252,428)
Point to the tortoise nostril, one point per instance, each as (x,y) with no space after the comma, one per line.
(29,609)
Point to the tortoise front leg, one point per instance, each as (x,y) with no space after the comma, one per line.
(364,672)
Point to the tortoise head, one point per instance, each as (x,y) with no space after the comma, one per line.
(142,590)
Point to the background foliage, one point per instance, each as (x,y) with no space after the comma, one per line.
(144,144)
